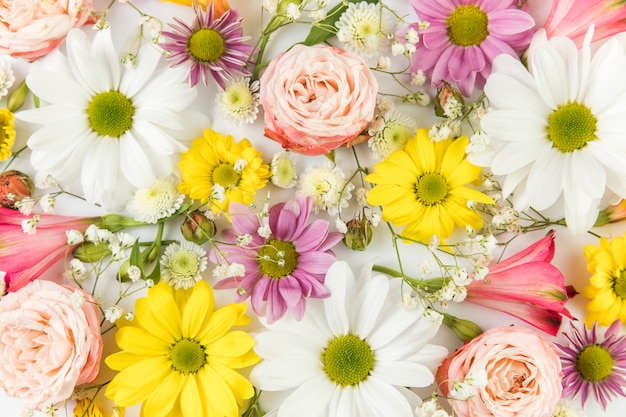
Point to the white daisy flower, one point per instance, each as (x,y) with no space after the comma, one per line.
(556,132)
(360,29)
(390,133)
(158,201)
(327,185)
(182,264)
(239,102)
(283,169)
(108,130)
(358,351)
(6,78)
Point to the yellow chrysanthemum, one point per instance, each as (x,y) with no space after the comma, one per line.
(423,187)
(7,133)
(179,355)
(607,285)
(218,169)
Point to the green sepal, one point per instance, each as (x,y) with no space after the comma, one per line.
(319,33)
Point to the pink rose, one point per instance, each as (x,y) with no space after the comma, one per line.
(317,98)
(32,28)
(49,343)
(523,374)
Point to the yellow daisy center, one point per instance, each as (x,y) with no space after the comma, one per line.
(467,26)
(347,360)
(571,126)
(431,188)
(187,356)
(110,114)
(7,133)
(594,363)
(619,284)
(278,258)
(225,175)
(184,264)
(206,45)
(396,135)
(238,99)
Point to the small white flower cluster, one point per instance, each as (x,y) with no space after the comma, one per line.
(77,271)
(156,202)
(222,271)
(430,408)
(407,46)
(239,101)
(36,204)
(567,408)
(29,226)
(153,26)
(361,30)
(6,78)
(328,187)
(444,129)
(466,389)
(118,243)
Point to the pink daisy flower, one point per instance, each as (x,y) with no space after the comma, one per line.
(212,45)
(464,36)
(285,258)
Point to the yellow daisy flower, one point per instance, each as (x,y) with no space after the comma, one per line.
(179,355)
(216,168)
(7,133)
(607,285)
(423,187)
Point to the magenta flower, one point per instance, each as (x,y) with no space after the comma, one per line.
(593,365)
(464,36)
(572,18)
(24,257)
(214,45)
(284,267)
(526,286)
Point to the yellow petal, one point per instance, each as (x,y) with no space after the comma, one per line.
(163,398)
(158,313)
(198,309)
(220,322)
(137,341)
(136,382)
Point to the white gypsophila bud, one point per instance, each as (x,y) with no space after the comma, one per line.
(397,48)
(433,316)
(74,237)
(134,273)
(112,314)
(341,225)
(236,270)
(77,299)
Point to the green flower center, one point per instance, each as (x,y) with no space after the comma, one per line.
(619,284)
(187,356)
(184,264)
(594,363)
(347,360)
(396,135)
(110,114)
(206,45)
(571,126)
(431,189)
(467,26)
(278,258)
(283,172)
(226,176)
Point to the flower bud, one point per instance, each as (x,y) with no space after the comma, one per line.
(90,252)
(465,330)
(16,99)
(612,214)
(197,228)
(359,234)
(14,186)
(115,222)
(444,94)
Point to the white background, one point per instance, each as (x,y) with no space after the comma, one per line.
(569,249)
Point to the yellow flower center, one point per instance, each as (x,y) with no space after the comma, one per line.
(431,189)
(571,126)
(110,114)
(238,99)
(206,45)
(467,26)
(594,363)
(225,175)
(619,284)
(7,133)
(396,135)
(187,356)
(278,258)
(347,360)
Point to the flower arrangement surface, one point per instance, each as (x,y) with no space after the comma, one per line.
(350,208)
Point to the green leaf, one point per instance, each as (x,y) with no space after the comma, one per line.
(135,256)
(320,32)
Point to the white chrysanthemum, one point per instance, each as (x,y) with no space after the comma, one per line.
(391,133)
(327,186)
(239,102)
(182,264)
(360,29)
(283,169)
(6,78)
(557,132)
(355,353)
(156,202)
(108,130)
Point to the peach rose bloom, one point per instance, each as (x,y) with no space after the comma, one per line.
(49,344)
(523,373)
(317,98)
(32,28)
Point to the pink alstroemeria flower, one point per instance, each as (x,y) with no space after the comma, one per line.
(24,257)
(285,260)
(526,286)
(572,18)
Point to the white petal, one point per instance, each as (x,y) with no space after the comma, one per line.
(90,72)
(403,373)
(515,156)
(285,373)
(55,87)
(343,403)
(274,344)
(506,92)
(371,299)
(394,322)
(134,164)
(159,116)
(309,400)
(135,78)
(153,138)
(52,114)
(513,126)
(383,399)
(550,74)
(545,181)
(586,174)
(512,67)
(341,283)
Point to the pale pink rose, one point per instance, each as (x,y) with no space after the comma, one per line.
(32,28)
(48,344)
(317,98)
(523,374)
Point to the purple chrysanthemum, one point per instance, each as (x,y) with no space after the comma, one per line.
(464,36)
(285,265)
(212,45)
(594,366)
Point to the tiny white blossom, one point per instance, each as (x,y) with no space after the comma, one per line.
(129,316)
(293,11)
(264,231)
(240,165)
(423,24)
(101,24)
(427,408)
(152,25)
(341,225)
(74,237)
(6,78)
(480,272)
(434,243)
(375,219)
(218,193)
(129,60)
(411,36)
(29,226)
(26,205)
(422,98)
(477,379)
(112,314)
(149,283)
(478,142)
(77,299)
(567,408)
(409,300)
(409,50)
(91,234)
(236,270)
(425,268)
(433,316)
(244,239)
(418,78)
(384,63)
(270,5)
(459,294)
(77,271)
(134,273)
(439,132)
(397,48)
(460,276)
(317,15)
(462,391)
(361,196)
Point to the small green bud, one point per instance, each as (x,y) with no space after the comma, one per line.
(116,222)
(444,94)
(197,228)
(91,252)
(465,330)
(359,234)
(16,99)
